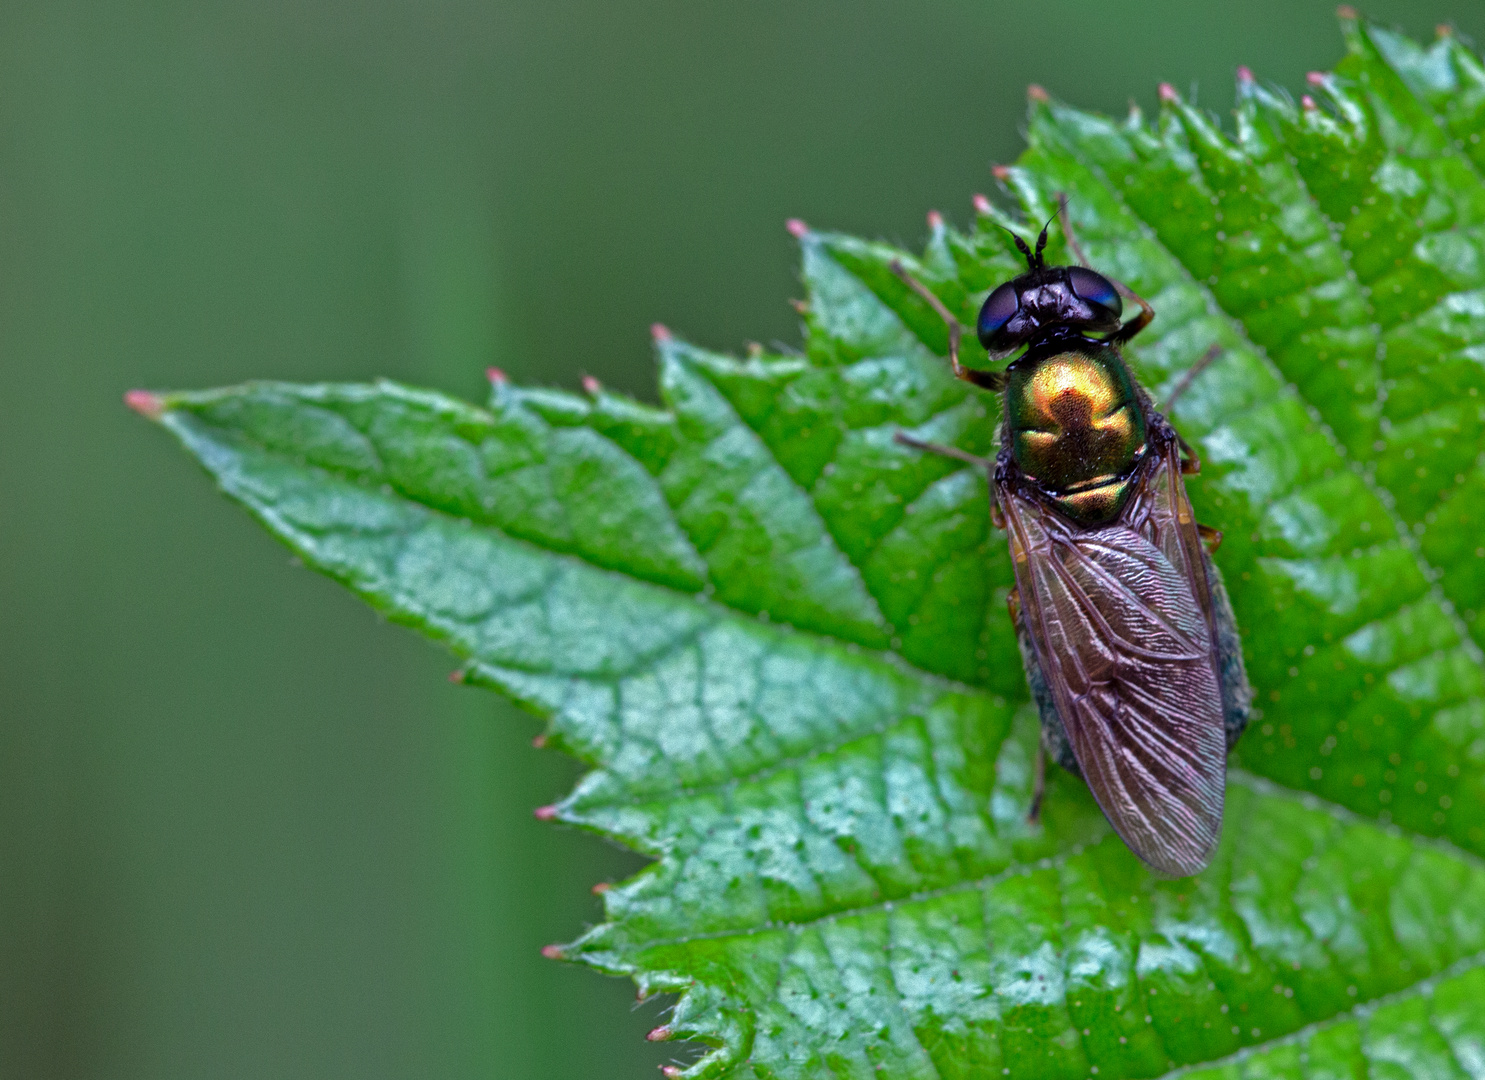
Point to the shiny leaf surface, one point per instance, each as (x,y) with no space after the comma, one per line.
(779,639)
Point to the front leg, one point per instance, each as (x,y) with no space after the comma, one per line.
(1185,381)
(985,380)
(1038,784)
(1134,325)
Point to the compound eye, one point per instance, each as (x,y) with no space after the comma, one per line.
(1094,288)
(997,311)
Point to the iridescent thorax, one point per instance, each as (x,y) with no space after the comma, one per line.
(1076,427)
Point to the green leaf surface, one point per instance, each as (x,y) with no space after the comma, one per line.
(779,639)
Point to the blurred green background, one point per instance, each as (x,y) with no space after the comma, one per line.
(245,829)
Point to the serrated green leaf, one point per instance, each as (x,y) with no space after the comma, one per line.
(779,638)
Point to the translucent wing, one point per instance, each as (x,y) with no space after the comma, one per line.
(1119,616)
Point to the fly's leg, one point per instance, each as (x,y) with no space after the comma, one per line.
(1039,766)
(1190,464)
(1211,538)
(1134,325)
(1067,231)
(904,439)
(1038,784)
(1184,383)
(986,380)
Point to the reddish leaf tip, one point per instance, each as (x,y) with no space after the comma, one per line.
(552,952)
(1346,11)
(1167,92)
(670,1072)
(1315,78)
(545,813)
(1308,103)
(982,204)
(800,306)
(496,375)
(1035,92)
(1244,74)
(457,675)
(148,405)
(1000,172)
(602,887)
(935,220)
(659,1034)
(660,332)
(1444,30)
(539,741)
(797,228)
(591,385)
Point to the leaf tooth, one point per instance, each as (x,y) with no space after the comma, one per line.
(148,405)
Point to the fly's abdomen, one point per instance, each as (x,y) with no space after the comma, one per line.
(1077,430)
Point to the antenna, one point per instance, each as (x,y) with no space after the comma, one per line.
(1021,246)
(1041,242)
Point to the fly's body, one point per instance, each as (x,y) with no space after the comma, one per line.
(1128,640)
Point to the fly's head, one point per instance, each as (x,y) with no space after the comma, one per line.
(1046,298)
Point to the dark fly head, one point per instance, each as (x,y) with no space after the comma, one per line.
(1045,299)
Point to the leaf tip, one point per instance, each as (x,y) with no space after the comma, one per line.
(1000,172)
(982,204)
(660,332)
(591,386)
(457,675)
(496,375)
(670,1072)
(659,1034)
(797,228)
(1443,30)
(1245,75)
(1167,93)
(602,887)
(1346,11)
(553,952)
(1035,92)
(935,220)
(1315,78)
(545,813)
(539,741)
(1307,103)
(148,405)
